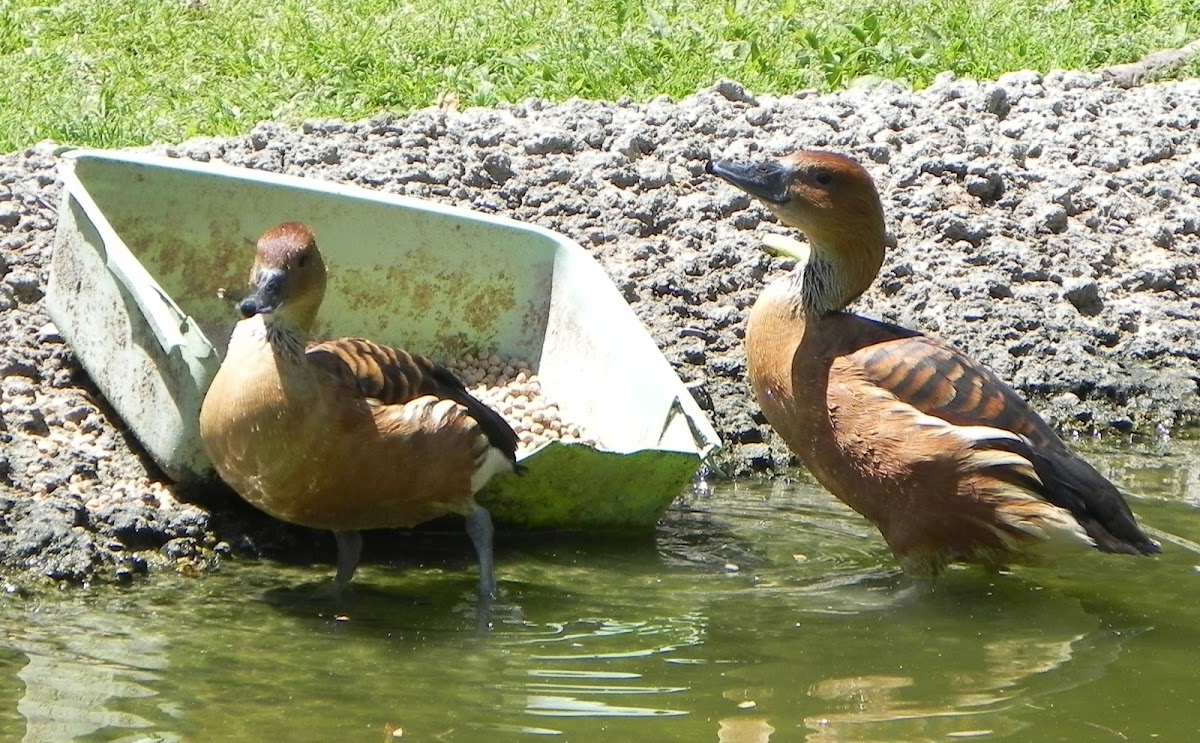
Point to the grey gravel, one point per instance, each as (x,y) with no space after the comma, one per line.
(1048,225)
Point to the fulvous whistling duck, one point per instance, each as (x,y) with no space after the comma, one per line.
(944,458)
(346,434)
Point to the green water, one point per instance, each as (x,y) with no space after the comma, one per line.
(813,636)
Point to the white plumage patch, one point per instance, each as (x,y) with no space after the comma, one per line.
(428,411)
(494,462)
(432,412)
(1054,527)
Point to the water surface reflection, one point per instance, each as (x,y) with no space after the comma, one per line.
(759,613)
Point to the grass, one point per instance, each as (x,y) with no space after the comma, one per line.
(123,72)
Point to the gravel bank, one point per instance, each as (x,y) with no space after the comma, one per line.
(1048,225)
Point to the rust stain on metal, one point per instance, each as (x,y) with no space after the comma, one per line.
(193,272)
(490,302)
(359,286)
(456,344)
(422,298)
(537,314)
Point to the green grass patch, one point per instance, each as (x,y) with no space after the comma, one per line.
(124,72)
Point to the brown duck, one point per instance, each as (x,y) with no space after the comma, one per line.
(346,434)
(944,458)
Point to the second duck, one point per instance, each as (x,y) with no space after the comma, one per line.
(944,458)
(347,434)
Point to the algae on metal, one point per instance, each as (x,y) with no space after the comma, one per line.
(152,252)
(584,488)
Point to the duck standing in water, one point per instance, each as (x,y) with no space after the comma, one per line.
(946,460)
(347,434)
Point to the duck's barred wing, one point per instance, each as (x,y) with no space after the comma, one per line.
(394,377)
(940,381)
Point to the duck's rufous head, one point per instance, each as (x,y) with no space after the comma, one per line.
(832,200)
(827,196)
(288,276)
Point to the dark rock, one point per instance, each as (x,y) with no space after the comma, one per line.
(25,285)
(135,524)
(50,537)
(180,548)
(1085,295)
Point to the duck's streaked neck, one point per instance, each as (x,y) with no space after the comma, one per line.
(824,281)
(282,336)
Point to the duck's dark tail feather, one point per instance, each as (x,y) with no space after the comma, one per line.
(499,433)
(1071,483)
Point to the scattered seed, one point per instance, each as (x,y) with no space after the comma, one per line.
(511,388)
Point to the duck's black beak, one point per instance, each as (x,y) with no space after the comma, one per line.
(768,180)
(267,294)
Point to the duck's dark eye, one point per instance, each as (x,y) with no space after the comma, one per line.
(303,260)
(824,177)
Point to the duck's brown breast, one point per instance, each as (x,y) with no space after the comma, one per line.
(308,448)
(935,490)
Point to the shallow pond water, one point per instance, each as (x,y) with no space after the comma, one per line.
(760,611)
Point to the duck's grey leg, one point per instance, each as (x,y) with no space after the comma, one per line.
(479,528)
(349,552)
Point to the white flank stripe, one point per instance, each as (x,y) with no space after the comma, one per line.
(493,462)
